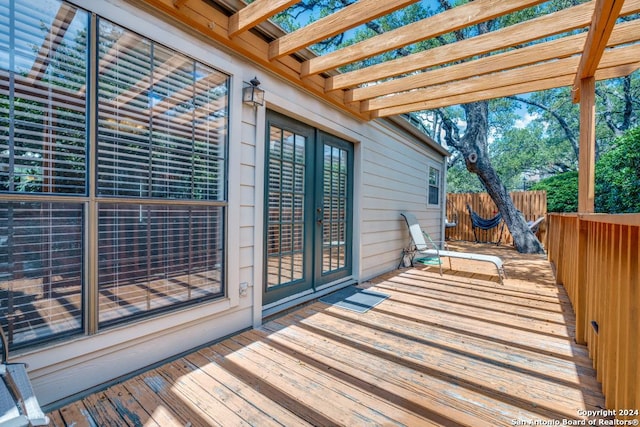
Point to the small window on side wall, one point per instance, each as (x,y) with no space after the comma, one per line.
(433,194)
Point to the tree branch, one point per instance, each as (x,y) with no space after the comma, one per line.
(561,121)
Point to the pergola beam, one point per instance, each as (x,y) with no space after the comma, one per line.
(544,26)
(533,73)
(496,64)
(213,24)
(486,82)
(467,70)
(255,13)
(433,26)
(615,63)
(605,15)
(336,23)
(555,49)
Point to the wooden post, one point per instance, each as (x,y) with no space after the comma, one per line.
(587,160)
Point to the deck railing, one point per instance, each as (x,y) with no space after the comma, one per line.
(597,260)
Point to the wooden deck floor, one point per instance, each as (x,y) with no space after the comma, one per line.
(454,350)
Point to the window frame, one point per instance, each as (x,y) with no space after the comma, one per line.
(91,201)
(431,166)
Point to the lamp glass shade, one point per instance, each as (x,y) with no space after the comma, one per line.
(253,95)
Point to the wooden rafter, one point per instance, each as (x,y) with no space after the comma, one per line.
(467,70)
(616,62)
(336,23)
(604,18)
(489,81)
(52,40)
(544,26)
(495,64)
(255,13)
(433,26)
(538,28)
(214,24)
(556,49)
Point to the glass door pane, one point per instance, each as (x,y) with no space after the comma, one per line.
(287,264)
(334,188)
(334,224)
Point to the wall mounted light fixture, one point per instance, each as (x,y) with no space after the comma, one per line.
(252,93)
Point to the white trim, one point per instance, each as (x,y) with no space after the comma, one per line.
(232,235)
(306,296)
(259,230)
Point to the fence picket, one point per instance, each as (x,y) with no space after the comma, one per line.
(532,204)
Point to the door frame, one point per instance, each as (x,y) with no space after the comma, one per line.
(321,278)
(313,278)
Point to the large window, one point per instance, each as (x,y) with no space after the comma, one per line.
(112,174)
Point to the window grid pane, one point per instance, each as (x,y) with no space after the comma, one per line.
(153,257)
(286,216)
(41,270)
(42,106)
(162,121)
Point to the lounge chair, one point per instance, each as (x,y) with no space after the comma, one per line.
(535,225)
(418,238)
(18,404)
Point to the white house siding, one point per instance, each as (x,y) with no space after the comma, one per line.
(390,176)
(394,180)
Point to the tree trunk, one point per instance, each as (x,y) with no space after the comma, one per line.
(473,146)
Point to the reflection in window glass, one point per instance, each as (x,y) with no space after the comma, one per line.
(42,98)
(160,193)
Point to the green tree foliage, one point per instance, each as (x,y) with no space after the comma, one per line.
(617,180)
(459,180)
(562,191)
(618,176)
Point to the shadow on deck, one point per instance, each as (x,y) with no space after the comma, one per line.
(460,349)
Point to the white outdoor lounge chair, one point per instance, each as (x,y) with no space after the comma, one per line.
(418,237)
(18,404)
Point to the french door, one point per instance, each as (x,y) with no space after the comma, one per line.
(309,186)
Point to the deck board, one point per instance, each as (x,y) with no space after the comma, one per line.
(451,349)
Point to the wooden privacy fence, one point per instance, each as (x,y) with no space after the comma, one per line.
(532,204)
(597,260)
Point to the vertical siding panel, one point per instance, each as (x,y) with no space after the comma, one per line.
(393,181)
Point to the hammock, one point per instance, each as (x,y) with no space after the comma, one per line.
(485,224)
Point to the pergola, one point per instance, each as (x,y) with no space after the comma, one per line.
(487,66)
